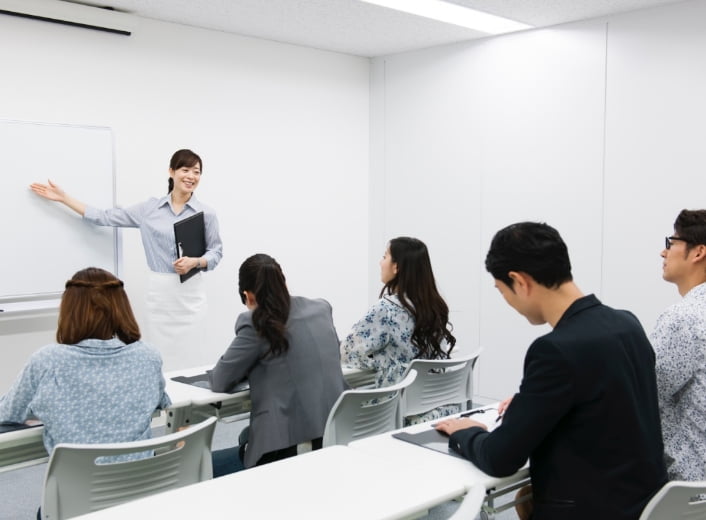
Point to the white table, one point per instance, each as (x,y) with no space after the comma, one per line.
(420,460)
(337,482)
(190,403)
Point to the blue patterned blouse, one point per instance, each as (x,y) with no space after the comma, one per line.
(382,341)
(98,391)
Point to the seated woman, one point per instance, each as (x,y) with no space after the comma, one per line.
(98,383)
(287,347)
(410,321)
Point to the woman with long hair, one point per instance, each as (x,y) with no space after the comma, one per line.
(175,311)
(409,321)
(98,383)
(287,348)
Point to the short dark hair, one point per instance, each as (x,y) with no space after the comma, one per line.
(180,159)
(95,305)
(691,226)
(534,248)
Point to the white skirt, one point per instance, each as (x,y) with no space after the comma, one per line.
(176,319)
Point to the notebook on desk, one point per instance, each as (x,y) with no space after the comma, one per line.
(6,426)
(201,380)
(431,439)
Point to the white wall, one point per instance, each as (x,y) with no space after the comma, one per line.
(592,127)
(283,132)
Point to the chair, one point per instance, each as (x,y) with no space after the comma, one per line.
(353,416)
(75,484)
(677,499)
(471,504)
(439,382)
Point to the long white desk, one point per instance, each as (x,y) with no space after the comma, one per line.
(421,461)
(337,482)
(25,447)
(191,403)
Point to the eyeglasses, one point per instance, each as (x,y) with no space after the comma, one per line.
(668,241)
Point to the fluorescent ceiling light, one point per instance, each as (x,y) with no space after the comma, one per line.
(454,14)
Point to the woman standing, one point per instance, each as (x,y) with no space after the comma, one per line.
(287,348)
(176,311)
(98,383)
(410,321)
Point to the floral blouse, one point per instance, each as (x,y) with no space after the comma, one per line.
(382,341)
(679,341)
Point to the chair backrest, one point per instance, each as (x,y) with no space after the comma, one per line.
(439,382)
(472,502)
(677,499)
(76,484)
(361,413)
(20,448)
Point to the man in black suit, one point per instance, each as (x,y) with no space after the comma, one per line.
(586,414)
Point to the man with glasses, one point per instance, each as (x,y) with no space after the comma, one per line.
(679,341)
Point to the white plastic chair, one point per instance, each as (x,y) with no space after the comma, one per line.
(75,484)
(439,382)
(471,504)
(674,500)
(353,416)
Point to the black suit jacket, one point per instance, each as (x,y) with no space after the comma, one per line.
(586,416)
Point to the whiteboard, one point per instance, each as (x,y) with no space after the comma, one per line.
(43,242)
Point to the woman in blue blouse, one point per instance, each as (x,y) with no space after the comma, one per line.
(176,311)
(98,383)
(409,321)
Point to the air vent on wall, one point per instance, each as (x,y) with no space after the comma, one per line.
(67,13)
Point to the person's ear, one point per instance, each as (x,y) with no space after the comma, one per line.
(698,252)
(521,282)
(171,173)
(250,300)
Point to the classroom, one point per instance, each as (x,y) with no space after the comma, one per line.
(319,157)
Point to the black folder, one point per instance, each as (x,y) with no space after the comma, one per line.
(190,235)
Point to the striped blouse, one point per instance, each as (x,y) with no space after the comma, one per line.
(156,219)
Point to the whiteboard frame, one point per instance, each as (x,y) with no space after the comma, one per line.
(40,303)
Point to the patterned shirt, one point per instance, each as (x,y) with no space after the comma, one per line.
(382,341)
(679,341)
(156,219)
(98,391)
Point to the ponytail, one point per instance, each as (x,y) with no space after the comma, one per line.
(263,276)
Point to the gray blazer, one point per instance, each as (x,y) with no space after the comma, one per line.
(293,393)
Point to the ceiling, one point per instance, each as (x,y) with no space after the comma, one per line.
(355,27)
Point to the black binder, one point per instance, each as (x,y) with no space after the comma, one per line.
(190,235)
